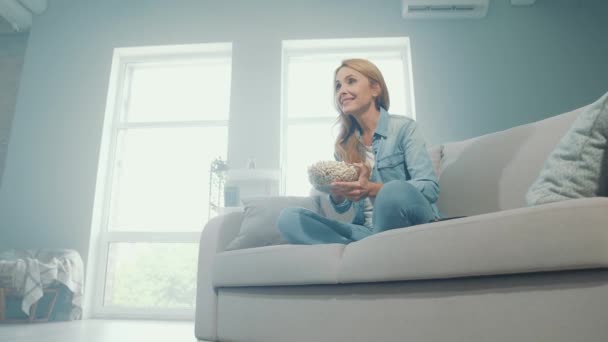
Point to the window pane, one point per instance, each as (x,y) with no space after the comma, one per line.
(307,95)
(310,87)
(306,144)
(183,92)
(310,82)
(393,72)
(153,275)
(161,179)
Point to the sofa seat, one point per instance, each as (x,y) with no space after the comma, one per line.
(278,265)
(568,235)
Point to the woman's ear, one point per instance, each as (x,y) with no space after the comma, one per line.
(376,90)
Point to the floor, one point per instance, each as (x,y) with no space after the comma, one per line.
(99,331)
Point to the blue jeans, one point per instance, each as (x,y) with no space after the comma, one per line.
(398,204)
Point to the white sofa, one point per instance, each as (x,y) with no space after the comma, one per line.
(505,273)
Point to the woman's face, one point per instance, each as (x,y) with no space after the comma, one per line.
(354,92)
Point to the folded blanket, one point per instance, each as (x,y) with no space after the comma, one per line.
(30,271)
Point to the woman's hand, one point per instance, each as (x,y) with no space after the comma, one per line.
(354,191)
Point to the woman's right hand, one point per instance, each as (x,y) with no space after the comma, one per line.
(354,191)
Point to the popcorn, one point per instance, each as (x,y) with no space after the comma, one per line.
(321,174)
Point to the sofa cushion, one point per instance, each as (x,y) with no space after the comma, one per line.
(259,226)
(278,265)
(578,167)
(493,172)
(558,236)
(543,238)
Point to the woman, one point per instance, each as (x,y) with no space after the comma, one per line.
(397,186)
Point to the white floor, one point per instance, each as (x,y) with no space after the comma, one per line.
(99,331)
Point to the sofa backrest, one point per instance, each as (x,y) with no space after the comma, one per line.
(493,172)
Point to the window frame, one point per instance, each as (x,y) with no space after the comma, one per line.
(310,47)
(116,105)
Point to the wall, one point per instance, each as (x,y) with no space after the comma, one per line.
(471,77)
(12,53)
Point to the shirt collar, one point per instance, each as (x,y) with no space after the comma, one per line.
(382,126)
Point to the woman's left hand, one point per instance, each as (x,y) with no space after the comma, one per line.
(354,191)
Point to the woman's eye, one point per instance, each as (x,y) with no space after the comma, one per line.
(337,86)
(351,81)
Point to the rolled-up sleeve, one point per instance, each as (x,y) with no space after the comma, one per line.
(340,208)
(419,164)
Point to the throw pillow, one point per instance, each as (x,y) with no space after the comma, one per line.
(259,226)
(578,167)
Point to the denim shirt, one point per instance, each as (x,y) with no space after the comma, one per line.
(400,154)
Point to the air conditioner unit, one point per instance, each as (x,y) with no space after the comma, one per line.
(522,2)
(449,9)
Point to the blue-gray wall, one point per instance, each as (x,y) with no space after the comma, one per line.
(471,77)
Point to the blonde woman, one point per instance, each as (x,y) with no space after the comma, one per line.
(397,186)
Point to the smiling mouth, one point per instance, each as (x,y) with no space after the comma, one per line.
(344,101)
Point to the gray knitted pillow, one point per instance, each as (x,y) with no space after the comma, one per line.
(578,167)
(259,226)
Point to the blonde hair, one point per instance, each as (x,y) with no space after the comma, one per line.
(348,147)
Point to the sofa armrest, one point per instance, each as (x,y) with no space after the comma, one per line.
(216,235)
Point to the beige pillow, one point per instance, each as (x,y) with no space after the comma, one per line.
(578,166)
(259,226)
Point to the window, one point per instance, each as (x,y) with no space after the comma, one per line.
(166,121)
(308,112)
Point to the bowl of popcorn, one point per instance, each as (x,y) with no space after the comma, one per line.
(321,174)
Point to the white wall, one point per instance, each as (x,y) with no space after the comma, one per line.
(471,77)
(12,53)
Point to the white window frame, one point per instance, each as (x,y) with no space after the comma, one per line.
(100,236)
(354,46)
